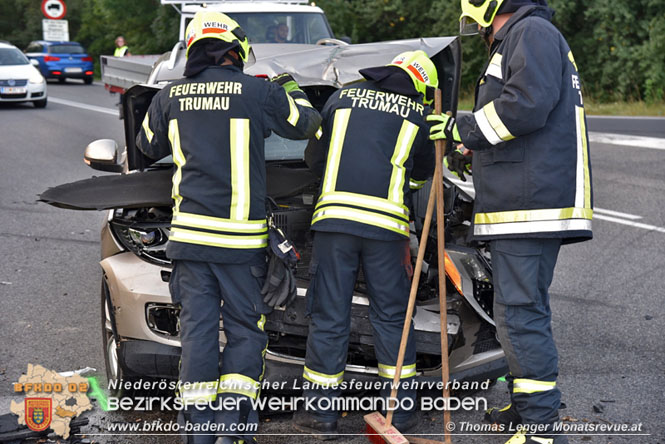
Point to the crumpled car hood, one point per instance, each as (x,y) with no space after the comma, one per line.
(337,65)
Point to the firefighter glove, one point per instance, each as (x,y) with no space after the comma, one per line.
(443,127)
(287,82)
(279,289)
(458,163)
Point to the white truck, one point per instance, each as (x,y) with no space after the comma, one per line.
(292,22)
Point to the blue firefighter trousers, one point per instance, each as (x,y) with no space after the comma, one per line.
(522,274)
(201,287)
(387,269)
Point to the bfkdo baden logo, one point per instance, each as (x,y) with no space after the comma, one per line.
(38,413)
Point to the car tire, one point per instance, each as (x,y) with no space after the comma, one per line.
(40,103)
(88,80)
(110,340)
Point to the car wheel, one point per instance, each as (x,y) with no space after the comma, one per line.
(40,103)
(110,339)
(88,80)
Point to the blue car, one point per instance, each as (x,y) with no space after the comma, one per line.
(61,60)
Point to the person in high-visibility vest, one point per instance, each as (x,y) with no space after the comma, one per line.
(121,49)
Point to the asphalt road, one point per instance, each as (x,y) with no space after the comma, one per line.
(609,315)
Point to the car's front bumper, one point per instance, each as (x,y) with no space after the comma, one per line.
(30,92)
(147,350)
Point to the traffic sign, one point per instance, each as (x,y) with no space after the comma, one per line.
(54,9)
(55,30)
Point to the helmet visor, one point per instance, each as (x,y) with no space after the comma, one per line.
(251,58)
(468,26)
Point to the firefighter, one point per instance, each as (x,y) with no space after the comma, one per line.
(374,143)
(214,122)
(528,143)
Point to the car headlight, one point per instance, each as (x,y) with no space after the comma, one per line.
(146,240)
(36,79)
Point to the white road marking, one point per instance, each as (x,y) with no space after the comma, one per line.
(629,223)
(99,109)
(597,210)
(627,140)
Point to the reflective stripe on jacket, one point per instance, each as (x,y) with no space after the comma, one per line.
(528,133)
(373,142)
(214,124)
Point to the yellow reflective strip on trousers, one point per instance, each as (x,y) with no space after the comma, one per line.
(322,378)
(363,200)
(340,123)
(218,240)
(219,224)
(146,128)
(178,159)
(365,217)
(239,384)
(240,197)
(532,386)
(294,114)
(388,371)
(583,185)
(533,215)
(407,135)
(198,391)
(496,123)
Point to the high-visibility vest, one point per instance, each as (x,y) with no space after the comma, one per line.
(120,52)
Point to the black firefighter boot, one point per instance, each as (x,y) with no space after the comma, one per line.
(507,417)
(308,423)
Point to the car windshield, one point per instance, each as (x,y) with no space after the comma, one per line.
(66,49)
(271,27)
(12,56)
(275,27)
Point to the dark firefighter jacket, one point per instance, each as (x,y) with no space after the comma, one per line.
(215,123)
(528,134)
(374,145)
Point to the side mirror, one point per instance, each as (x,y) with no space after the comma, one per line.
(34,62)
(345,38)
(103,155)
